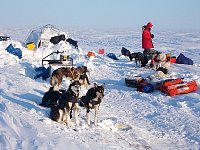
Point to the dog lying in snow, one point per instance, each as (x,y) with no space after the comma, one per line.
(92,100)
(66,102)
(50,98)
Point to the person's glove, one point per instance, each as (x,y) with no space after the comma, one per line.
(152,36)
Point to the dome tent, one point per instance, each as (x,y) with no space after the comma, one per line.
(41,36)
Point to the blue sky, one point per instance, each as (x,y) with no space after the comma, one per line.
(164,14)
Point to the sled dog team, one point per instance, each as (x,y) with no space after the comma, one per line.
(65,102)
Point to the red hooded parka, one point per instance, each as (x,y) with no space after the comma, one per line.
(146,39)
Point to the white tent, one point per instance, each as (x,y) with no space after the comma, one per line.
(42,35)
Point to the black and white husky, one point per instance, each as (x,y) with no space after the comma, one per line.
(92,100)
(66,102)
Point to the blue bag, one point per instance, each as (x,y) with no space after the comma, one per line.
(181,59)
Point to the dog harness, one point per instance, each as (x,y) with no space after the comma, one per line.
(66,97)
(72,70)
(90,100)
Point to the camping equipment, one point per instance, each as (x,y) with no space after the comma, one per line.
(64,61)
(101,51)
(181,88)
(43,72)
(91,54)
(145,87)
(181,59)
(112,56)
(168,56)
(173,59)
(4,38)
(57,39)
(41,36)
(14,51)
(133,82)
(30,46)
(140,83)
(176,86)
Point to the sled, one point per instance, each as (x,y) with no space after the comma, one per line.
(162,86)
(63,61)
(169,82)
(181,88)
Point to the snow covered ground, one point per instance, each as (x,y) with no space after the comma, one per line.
(128,119)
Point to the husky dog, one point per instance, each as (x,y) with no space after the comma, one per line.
(66,102)
(92,100)
(125,52)
(71,73)
(139,57)
(161,63)
(51,97)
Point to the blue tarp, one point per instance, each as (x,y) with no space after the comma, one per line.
(113,56)
(14,51)
(181,59)
(43,72)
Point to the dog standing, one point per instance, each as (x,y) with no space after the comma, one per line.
(92,100)
(67,101)
(71,73)
(138,56)
(125,52)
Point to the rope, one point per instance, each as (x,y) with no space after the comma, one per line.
(72,72)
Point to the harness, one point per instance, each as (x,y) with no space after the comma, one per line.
(66,97)
(90,100)
(72,71)
(93,102)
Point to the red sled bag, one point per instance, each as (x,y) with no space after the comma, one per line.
(172,81)
(164,84)
(181,88)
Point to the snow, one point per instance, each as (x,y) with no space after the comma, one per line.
(128,119)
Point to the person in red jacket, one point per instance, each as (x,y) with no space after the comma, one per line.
(147,37)
(147,43)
